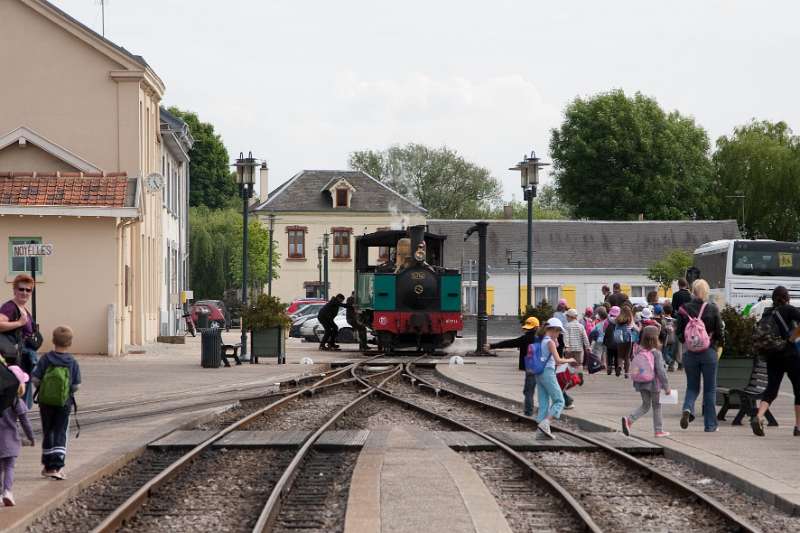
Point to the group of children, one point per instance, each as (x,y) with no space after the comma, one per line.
(56,377)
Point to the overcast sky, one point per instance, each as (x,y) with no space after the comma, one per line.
(304,83)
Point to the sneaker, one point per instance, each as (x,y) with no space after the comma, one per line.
(8,499)
(335,347)
(757,425)
(580,377)
(662,434)
(626,375)
(686,417)
(568,407)
(323,347)
(45,472)
(712,430)
(618,372)
(544,427)
(58,474)
(671,368)
(609,371)
(796,431)
(626,426)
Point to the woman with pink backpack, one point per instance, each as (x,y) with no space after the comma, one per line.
(700,329)
(649,379)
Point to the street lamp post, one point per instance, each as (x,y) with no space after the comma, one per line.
(518,263)
(245,177)
(269,276)
(325,265)
(529,179)
(319,267)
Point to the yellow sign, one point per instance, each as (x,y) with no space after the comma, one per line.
(785,260)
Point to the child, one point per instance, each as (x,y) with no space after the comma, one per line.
(551,399)
(612,359)
(9,436)
(50,372)
(575,339)
(624,335)
(649,389)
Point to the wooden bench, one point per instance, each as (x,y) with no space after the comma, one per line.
(748,396)
(234,352)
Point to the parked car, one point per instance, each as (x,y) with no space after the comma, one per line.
(298,322)
(312,331)
(295,305)
(307,310)
(217,317)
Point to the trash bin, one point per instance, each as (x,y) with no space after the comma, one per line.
(210,347)
(202,317)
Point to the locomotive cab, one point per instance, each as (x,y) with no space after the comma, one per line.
(404,293)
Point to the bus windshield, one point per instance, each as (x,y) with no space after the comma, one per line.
(754,258)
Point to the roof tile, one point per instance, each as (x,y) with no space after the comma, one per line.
(64,189)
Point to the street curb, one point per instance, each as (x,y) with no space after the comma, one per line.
(747,487)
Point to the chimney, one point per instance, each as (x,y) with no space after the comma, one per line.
(508,212)
(263,182)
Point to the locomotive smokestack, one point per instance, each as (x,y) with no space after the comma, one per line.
(417,234)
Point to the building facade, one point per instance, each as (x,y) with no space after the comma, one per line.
(340,204)
(572,259)
(80,161)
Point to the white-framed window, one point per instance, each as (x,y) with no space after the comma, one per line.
(549,293)
(23,265)
(640,291)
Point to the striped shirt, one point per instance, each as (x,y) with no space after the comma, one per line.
(575,339)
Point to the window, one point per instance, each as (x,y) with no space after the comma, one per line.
(296,235)
(341,243)
(341,197)
(383,254)
(640,291)
(551,294)
(20,265)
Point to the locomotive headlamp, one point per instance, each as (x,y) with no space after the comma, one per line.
(419,255)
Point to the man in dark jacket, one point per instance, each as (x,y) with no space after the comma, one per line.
(326,318)
(531,327)
(617,298)
(355,323)
(679,299)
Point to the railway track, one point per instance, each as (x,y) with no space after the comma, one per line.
(611,464)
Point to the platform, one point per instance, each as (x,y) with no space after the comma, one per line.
(410,481)
(765,467)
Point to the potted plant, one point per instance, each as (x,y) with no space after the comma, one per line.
(736,363)
(268,324)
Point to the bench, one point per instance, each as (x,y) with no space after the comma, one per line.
(234,352)
(748,396)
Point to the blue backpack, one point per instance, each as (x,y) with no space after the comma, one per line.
(534,363)
(622,334)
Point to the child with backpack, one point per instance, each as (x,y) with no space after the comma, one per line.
(649,378)
(625,335)
(9,435)
(57,377)
(542,360)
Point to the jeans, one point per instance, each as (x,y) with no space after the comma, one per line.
(649,399)
(697,364)
(7,471)
(551,400)
(55,426)
(331,329)
(527,393)
(29,359)
(669,353)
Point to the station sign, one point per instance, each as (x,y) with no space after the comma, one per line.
(32,250)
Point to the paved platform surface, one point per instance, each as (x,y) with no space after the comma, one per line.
(168,376)
(410,481)
(769,465)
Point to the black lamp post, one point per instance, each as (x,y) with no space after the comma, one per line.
(518,263)
(325,265)
(269,275)
(245,177)
(319,266)
(529,179)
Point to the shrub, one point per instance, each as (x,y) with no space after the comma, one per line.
(267,312)
(543,312)
(738,340)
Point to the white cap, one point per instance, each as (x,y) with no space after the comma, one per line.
(554,323)
(572,312)
(647,313)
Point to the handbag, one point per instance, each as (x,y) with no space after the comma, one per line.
(11,342)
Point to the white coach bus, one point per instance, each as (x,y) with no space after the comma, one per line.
(741,272)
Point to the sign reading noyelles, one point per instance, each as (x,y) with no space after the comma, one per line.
(32,250)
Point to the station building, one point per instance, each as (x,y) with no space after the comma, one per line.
(572,259)
(339,203)
(82,155)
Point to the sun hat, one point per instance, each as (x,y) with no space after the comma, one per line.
(22,377)
(531,323)
(572,312)
(554,323)
(562,301)
(613,312)
(588,311)
(647,313)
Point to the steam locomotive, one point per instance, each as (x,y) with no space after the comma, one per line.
(403,292)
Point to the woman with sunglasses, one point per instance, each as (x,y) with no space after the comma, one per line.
(16,324)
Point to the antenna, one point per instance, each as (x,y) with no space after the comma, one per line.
(103,15)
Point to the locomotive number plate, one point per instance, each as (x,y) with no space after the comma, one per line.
(418,275)
(418,289)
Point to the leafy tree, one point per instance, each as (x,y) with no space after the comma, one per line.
(211,181)
(671,268)
(546,206)
(208,276)
(615,157)
(257,256)
(439,179)
(761,161)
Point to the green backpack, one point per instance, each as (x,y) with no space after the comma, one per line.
(54,389)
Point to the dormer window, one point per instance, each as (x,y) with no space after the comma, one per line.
(342,195)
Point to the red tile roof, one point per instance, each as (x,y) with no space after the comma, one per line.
(66,189)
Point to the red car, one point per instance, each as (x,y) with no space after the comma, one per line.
(302,301)
(216,316)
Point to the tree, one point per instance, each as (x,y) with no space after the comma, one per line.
(211,181)
(546,206)
(439,179)
(615,157)
(671,268)
(257,255)
(760,161)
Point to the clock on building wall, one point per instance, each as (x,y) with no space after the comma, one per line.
(154,182)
